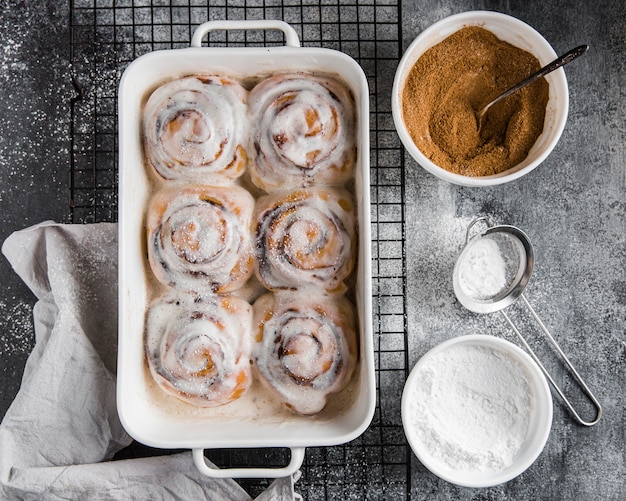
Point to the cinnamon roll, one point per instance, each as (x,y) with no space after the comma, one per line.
(305,238)
(195,129)
(198,347)
(303,132)
(199,237)
(305,347)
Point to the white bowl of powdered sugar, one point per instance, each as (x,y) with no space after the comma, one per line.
(476,410)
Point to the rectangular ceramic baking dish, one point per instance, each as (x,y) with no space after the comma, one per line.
(145,415)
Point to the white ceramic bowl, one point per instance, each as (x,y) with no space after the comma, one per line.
(510,30)
(540,419)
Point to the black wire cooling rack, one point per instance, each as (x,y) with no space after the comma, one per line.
(106,35)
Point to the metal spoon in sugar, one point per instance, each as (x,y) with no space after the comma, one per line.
(549,68)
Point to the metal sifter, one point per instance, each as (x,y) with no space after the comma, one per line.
(491,273)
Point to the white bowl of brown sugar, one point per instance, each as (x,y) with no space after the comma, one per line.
(455,67)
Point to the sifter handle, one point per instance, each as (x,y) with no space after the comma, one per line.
(482,219)
(584,387)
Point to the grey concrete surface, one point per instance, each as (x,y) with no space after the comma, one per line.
(573,207)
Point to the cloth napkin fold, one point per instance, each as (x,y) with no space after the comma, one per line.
(62,430)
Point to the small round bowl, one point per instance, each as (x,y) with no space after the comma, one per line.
(516,33)
(539,425)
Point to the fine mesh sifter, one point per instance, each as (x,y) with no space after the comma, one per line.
(491,273)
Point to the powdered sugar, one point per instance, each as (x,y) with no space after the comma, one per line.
(470,409)
(17,334)
(483,274)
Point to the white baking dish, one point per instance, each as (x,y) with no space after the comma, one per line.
(146,413)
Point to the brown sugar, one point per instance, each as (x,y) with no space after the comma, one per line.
(453,80)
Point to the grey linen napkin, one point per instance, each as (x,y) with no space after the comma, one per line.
(60,433)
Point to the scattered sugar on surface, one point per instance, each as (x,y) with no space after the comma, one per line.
(17,334)
(10,52)
(36,91)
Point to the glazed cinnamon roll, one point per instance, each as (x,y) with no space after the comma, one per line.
(199,237)
(303,130)
(305,238)
(195,129)
(305,347)
(198,348)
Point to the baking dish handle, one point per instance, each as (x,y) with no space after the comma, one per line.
(297,457)
(291,37)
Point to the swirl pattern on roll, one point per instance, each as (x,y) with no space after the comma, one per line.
(302,132)
(199,237)
(305,347)
(195,128)
(198,348)
(305,238)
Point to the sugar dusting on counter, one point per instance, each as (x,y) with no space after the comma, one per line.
(17,335)
(471,407)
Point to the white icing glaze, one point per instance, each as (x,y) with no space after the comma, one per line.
(302,132)
(195,128)
(305,238)
(305,347)
(315,237)
(199,237)
(198,347)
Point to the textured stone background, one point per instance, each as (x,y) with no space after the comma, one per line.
(573,207)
